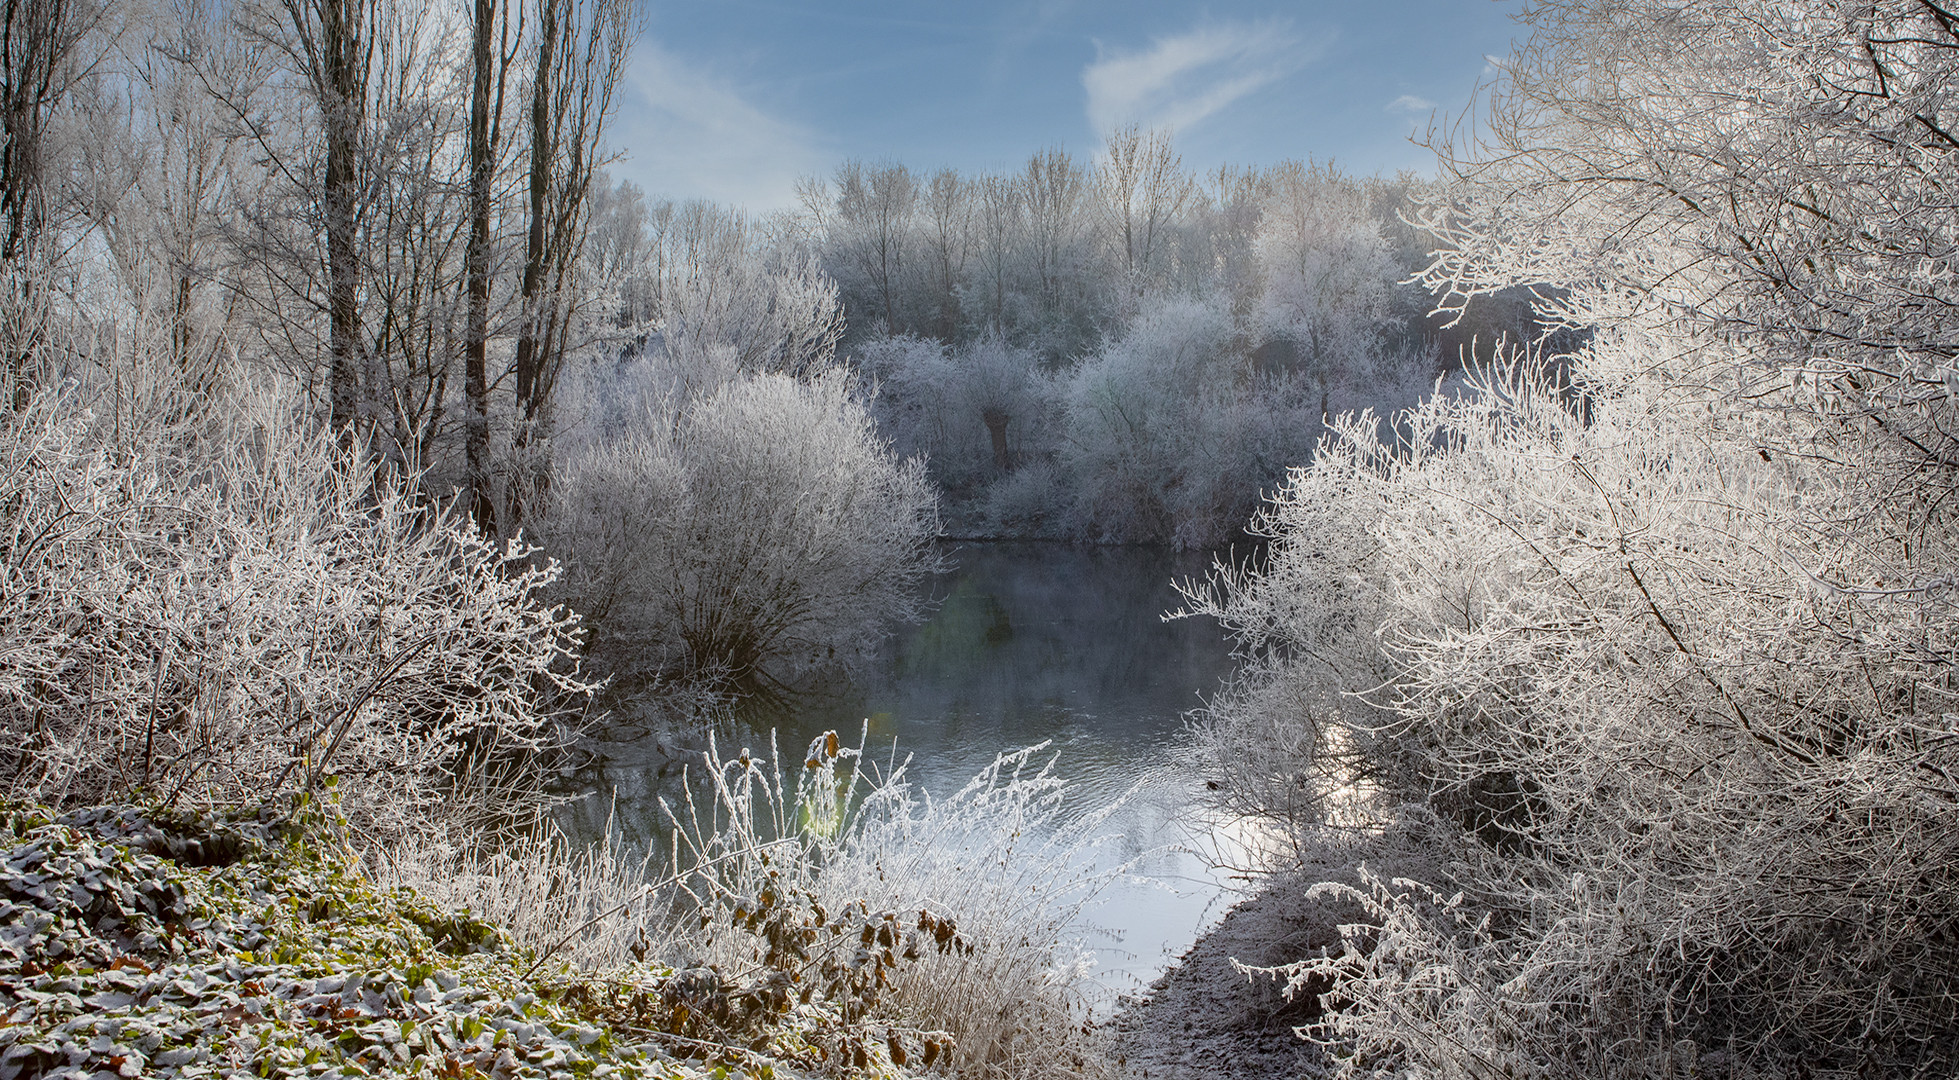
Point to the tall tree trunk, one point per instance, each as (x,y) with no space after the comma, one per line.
(531,354)
(582,48)
(543,155)
(996,426)
(344,105)
(482,172)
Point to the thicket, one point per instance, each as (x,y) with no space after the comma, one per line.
(1653,636)
(754,533)
(233,611)
(1118,350)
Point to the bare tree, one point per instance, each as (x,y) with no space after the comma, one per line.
(156,176)
(333,41)
(352,250)
(872,222)
(579,53)
(948,239)
(41,62)
(1001,217)
(1143,193)
(1052,189)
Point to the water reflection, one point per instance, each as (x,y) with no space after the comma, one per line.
(1028,643)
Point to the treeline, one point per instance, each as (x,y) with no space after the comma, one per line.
(1107,350)
(1119,350)
(1057,255)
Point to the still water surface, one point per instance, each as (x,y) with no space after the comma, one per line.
(1027,643)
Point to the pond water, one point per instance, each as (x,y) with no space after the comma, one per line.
(1027,643)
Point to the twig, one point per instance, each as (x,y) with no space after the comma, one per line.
(670,879)
(156,690)
(348,715)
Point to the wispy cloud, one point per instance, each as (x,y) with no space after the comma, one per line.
(1180,80)
(1412,105)
(687,133)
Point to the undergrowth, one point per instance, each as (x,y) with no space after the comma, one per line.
(143,941)
(939,933)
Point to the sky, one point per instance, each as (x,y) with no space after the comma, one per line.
(734,100)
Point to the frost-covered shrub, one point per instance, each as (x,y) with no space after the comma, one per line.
(1032,502)
(578,905)
(761,527)
(913,409)
(1171,434)
(1670,679)
(975,413)
(228,617)
(925,932)
(1669,639)
(1009,393)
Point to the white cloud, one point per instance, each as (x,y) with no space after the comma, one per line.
(1180,80)
(1411,104)
(686,133)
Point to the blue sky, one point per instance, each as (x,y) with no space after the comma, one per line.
(733,100)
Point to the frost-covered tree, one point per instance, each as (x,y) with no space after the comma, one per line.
(1143,193)
(947,211)
(1327,275)
(997,229)
(713,287)
(870,223)
(1657,638)
(1170,434)
(975,412)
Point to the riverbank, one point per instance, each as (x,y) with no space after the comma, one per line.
(1210,1018)
(1222,1011)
